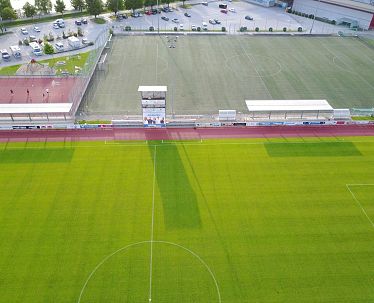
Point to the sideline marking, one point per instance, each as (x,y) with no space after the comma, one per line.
(358,202)
(143,242)
(153,215)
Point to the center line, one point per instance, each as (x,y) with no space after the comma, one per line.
(153,215)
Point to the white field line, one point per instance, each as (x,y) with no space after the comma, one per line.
(358,202)
(152,225)
(137,142)
(124,248)
(205,143)
(193,141)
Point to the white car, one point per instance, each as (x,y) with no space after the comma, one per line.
(24,31)
(5,55)
(193,27)
(36,29)
(181,26)
(85,41)
(175,20)
(59,46)
(55,26)
(232,10)
(32,38)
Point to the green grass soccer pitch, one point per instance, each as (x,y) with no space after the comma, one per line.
(208,73)
(280,220)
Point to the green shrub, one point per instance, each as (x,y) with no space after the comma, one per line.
(127,28)
(48,49)
(333,22)
(289,10)
(270,29)
(257,29)
(198,28)
(223,29)
(26,42)
(284,29)
(175,28)
(151,28)
(300,29)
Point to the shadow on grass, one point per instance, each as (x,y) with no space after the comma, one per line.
(179,200)
(36,155)
(318,149)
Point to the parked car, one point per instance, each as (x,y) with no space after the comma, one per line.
(204,26)
(32,38)
(5,55)
(155,11)
(78,22)
(193,27)
(148,13)
(60,23)
(248,18)
(55,26)
(165,18)
(37,51)
(224,11)
(217,21)
(187,14)
(59,46)
(24,31)
(181,27)
(85,21)
(36,29)
(204,3)
(232,10)
(16,51)
(175,20)
(85,41)
(211,21)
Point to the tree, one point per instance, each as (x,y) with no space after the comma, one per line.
(29,10)
(150,3)
(115,5)
(43,6)
(4,4)
(94,7)
(134,4)
(167,2)
(78,4)
(8,13)
(60,6)
(48,48)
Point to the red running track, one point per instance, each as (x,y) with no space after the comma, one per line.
(59,90)
(185,133)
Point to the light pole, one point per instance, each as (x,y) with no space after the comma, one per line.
(315,13)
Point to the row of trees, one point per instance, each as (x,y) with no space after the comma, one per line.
(94,7)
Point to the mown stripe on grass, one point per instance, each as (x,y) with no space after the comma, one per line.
(318,149)
(180,207)
(36,155)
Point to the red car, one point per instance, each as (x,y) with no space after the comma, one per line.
(148,13)
(224,11)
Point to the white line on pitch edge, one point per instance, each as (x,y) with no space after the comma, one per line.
(153,215)
(358,202)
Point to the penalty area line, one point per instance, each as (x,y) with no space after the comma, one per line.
(358,202)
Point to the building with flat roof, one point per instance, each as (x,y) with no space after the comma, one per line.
(348,12)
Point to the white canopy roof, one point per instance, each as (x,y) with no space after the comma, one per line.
(287,105)
(35,108)
(152,89)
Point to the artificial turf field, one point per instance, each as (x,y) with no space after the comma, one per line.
(250,220)
(208,73)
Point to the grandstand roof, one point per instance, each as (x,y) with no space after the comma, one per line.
(35,108)
(152,89)
(287,105)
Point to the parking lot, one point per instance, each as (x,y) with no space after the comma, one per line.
(90,32)
(262,17)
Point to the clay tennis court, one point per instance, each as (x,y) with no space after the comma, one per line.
(59,89)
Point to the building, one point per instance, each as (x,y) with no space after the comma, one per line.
(351,13)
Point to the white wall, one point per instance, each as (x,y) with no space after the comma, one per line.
(332,12)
